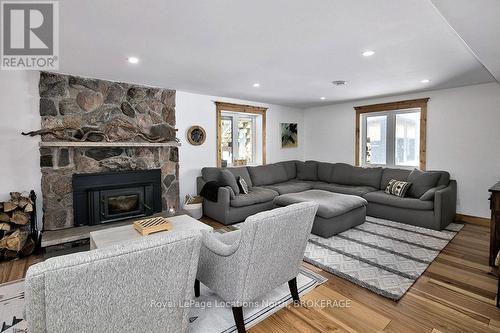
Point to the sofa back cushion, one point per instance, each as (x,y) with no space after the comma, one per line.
(268,174)
(347,174)
(422,181)
(367,176)
(388,174)
(211,174)
(444,178)
(325,172)
(226,178)
(291,168)
(342,173)
(307,170)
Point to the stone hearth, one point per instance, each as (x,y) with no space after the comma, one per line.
(76,102)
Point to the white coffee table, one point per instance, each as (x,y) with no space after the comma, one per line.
(127,233)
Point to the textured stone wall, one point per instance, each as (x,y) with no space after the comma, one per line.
(77,102)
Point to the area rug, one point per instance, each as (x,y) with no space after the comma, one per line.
(209,313)
(383,256)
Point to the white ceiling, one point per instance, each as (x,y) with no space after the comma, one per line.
(294,49)
(477,22)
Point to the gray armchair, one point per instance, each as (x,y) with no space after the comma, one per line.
(266,252)
(136,287)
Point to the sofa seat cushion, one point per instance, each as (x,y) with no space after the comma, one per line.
(255,195)
(344,189)
(330,204)
(380,197)
(292,186)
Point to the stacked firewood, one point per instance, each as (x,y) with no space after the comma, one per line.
(15,218)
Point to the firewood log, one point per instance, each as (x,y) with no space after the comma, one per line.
(15,241)
(28,208)
(22,202)
(7,254)
(9,206)
(5,226)
(4,217)
(28,248)
(19,217)
(15,195)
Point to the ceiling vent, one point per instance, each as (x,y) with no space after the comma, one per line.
(339,83)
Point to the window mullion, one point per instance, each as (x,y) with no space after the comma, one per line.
(236,143)
(363,139)
(391,137)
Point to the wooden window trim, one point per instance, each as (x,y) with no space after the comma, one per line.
(223,106)
(391,106)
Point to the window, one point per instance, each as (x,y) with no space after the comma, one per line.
(240,135)
(391,134)
(238,142)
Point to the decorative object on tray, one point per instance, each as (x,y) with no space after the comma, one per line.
(289,136)
(196,135)
(152,225)
(94,134)
(18,232)
(193,205)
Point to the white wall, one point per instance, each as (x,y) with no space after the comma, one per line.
(194,109)
(20,158)
(463,138)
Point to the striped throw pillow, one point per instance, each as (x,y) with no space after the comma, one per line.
(397,188)
(242,185)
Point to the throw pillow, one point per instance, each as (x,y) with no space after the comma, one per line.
(243,185)
(397,188)
(422,181)
(429,195)
(226,178)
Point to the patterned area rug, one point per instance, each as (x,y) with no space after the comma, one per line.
(213,317)
(383,256)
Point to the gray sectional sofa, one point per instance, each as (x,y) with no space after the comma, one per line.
(430,203)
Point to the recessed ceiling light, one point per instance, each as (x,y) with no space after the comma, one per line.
(339,83)
(368,53)
(256,85)
(425,81)
(322,98)
(133,60)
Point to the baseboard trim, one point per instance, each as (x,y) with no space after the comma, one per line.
(472,219)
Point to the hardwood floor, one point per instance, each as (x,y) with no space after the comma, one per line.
(456,294)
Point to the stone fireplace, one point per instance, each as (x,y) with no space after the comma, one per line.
(75,102)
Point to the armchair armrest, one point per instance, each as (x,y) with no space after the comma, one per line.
(222,244)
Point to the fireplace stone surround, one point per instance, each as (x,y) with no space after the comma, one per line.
(71,101)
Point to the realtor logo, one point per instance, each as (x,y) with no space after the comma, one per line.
(30,38)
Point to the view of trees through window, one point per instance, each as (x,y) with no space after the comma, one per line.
(391,138)
(237,139)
